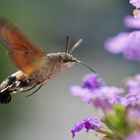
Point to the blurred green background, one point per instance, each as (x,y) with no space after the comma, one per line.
(51,113)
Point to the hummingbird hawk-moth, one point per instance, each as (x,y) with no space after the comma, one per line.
(36,67)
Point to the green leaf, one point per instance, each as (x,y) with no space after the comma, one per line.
(116,121)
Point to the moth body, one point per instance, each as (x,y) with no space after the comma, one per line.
(36,67)
(54,64)
(19,81)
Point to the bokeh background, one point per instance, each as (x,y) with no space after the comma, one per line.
(51,113)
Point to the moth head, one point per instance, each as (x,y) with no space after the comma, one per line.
(69,60)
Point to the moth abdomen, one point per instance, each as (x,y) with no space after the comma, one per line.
(5,91)
(5,96)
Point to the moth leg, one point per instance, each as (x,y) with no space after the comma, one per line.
(34,91)
(29,88)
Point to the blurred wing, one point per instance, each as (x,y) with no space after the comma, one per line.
(25,55)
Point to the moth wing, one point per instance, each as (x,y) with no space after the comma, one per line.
(23,52)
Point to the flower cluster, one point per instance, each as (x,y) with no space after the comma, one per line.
(121,111)
(120,106)
(94,91)
(127,43)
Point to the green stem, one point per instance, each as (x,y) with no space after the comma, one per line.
(108,133)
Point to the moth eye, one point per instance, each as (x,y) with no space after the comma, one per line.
(65,61)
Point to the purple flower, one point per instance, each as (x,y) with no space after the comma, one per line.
(132,22)
(135,3)
(87,124)
(117,44)
(132,50)
(135,114)
(102,98)
(91,82)
(125,43)
(105,97)
(133,117)
(84,93)
(134,136)
(129,100)
(133,97)
(93,92)
(134,84)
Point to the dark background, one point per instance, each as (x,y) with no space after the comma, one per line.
(51,113)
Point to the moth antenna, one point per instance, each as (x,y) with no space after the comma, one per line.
(76,46)
(34,91)
(67,43)
(86,66)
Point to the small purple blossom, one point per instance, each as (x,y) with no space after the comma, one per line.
(132,22)
(105,97)
(133,116)
(133,85)
(129,100)
(87,124)
(102,97)
(92,81)
(126,43)
(135,3)
(133,97)
(84,93)
(132,51)
(134,136)
(117,44)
